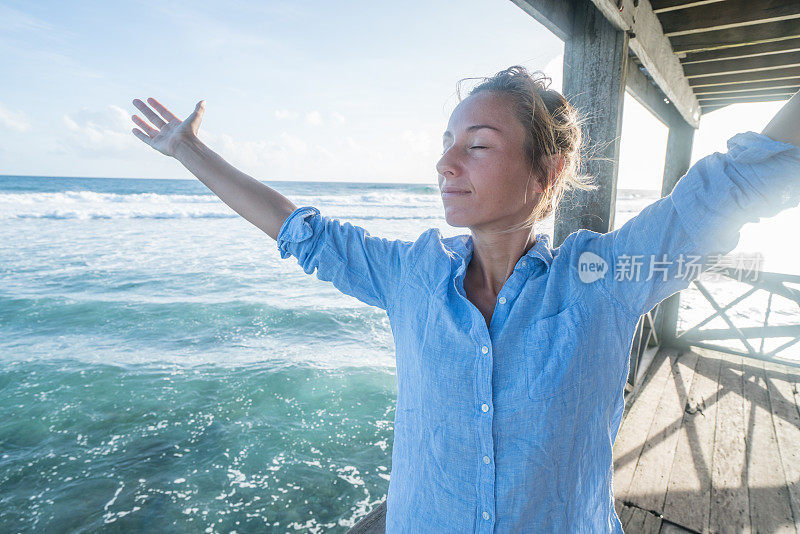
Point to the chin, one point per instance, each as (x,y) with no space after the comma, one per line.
(456,220)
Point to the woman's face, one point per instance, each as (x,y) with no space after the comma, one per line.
(484,156)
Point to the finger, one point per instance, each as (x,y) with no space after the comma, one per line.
(152,132)
(197,116)
(141,135)
(149,113)
(169,117)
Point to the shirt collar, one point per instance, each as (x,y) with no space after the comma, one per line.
(539,252)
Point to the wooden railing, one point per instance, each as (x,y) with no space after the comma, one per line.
(774,284)
(653,329)
(646,341)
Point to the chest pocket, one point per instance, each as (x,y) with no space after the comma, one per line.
(554,360)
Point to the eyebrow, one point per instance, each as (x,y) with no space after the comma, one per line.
(474,127)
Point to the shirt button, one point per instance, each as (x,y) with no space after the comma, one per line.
(502,300)
(484,349)
(486,515)
(523,263)
(485,407)
(486,459)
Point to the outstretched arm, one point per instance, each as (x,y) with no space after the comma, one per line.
(258,203)
(670,242)
(785,125)
(366,267)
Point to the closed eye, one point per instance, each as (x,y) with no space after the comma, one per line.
(471,147)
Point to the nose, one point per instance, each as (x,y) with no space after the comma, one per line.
(444,165)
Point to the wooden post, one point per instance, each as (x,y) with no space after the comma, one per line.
(676,164)
(595,69)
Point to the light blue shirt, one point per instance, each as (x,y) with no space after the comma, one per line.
(510,428)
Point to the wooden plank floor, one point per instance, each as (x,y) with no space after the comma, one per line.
(710,442)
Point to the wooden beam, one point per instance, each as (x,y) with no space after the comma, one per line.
(745,77)
(653,49)
(649,95)
(707,108)
(791,44)
(647,42)
(737,36)
(755,98)
(676,164)
(595,67)
(668,5)
(748,64)
(717,103)
(555,15)
(734,97)
(729,88)
(731,14)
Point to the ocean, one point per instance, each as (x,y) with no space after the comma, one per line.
(162,368)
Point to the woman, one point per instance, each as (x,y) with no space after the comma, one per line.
(512,356)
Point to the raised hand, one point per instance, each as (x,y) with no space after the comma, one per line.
(169,131)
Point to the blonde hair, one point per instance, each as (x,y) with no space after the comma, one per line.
(552,128)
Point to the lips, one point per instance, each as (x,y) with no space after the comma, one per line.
(453,191)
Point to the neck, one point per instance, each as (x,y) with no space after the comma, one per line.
(494,257)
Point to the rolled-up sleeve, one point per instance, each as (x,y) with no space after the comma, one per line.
(701,218)
(366,267)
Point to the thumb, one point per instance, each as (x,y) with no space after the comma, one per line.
(197,115)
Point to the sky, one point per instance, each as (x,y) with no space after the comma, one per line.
(295,90)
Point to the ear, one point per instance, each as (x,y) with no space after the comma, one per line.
(557,162)
(554,164)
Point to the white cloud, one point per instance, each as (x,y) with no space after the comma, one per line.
(13,120)
(351,143)
(314,117)
(209,31)
(419,140)
(293,143)
(256,156)
(285,114)
(13,20)
(249,154)
(338,117)
(327,153)
(285,156)
(104,132)
(29,40)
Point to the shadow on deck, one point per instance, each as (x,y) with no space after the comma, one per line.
(710,443)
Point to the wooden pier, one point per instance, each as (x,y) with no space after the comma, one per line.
(710,442)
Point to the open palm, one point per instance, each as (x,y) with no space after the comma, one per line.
(169,131)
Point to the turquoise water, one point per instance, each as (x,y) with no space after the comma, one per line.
(163,369)
(147,447)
